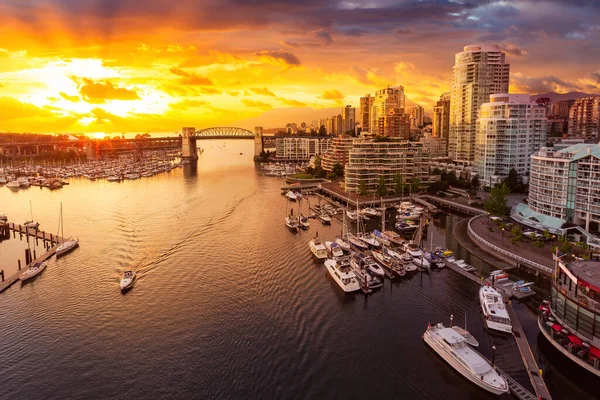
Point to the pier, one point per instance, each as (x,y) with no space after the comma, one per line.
(53,242)
(453,205)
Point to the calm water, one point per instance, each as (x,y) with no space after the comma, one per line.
(228,303)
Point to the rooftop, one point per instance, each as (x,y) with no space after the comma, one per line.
(589,271)
(581,150)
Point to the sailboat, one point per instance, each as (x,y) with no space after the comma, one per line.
(291,222)
(67,245)
(31,224)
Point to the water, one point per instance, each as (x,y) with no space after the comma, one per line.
(228,303)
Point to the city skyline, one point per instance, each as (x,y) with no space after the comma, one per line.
(201,66)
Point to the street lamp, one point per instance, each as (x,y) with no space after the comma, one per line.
(502,236)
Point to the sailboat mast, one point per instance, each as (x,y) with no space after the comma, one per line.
(62,222)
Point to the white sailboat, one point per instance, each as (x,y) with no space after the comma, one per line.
(33,271)
(67,245)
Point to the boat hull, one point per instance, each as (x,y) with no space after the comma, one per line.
(62,251)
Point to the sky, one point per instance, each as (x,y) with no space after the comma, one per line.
(155,66)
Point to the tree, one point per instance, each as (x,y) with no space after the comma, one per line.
(415,185)
(475,182)
(399,184)
(381,187)
(362,188)
(496,204)
(512,180)
(338,169)
(322,131)
(317,162)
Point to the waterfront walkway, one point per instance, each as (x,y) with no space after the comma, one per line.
(526,250)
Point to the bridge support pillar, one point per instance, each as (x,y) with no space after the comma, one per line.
(258,142)
(92,150)
(188,145)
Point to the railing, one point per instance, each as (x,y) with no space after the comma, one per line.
(449,203)
(529,263)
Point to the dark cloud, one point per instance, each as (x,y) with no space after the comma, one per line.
(595,76)
(280,57)
(513,50)
(324,36)
(534,85)
(99,92)
(188,78)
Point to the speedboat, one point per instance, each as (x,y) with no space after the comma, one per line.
(343,244)
(358,262)
(375,268)
(334,249)
(498,276)
(413,250)
(371,212)
(342,274)
(127,280)
(33,271)
(494,311)
(66,247)
(291,195)
(317,248)
(453,348)
(324,218)
(369,240)
(421,262)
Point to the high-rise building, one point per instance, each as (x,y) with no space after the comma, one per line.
(417,116)
(348,119)
(584,118)
(510,128)
(329,126)
(366,105)
(370,160)
(441,117)
(394,124)
(386,101)
(560,109)
(479,71)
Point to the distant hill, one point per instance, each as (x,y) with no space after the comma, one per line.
(554,97)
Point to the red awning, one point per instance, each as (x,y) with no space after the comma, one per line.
(595,351)
(557,328)
(575,340)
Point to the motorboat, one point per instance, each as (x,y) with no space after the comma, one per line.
(334,249)
(303,223)
(388,262)
(66,247)
(453,348)
(356,242)
(375,268)
(352,215)
(23,183)
(343,244)
(377,235)
(393,237)
(369,240)
(343,274)
(413,250)
(291,195)
(317,248)
(33,270)
(463,265)
(421,262)
(371,212)
(408,215)
(292,222)
(13,185)
(494,311)
(113,178)
(498,276)
(358,263)
(324,218)
(127,280)
(406,226)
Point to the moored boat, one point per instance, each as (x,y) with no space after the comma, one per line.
(317,248)
(494,311)
(343,244)
(32,271)
(342,274)
(334,249)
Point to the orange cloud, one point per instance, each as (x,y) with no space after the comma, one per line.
(190,79)
(279,58)
(262,91)
(99,92)
(293,103)
(256,104)
(73,99)
(332,95)
(187,104)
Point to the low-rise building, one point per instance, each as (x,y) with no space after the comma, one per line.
(370,160)
(300,148)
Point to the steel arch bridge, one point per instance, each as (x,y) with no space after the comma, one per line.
(223,133)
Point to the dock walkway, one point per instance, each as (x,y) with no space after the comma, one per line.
(35,233)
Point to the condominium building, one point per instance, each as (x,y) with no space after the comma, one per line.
(300,148)
(441,117)
(564,187)
(366,104)
(479,71)
(338,125)
(394,125)
(387,102)
(417,117)
(560,109)
(348,119)
(510,128)
(584,118)
(434,146)
(370,160)
(338,153)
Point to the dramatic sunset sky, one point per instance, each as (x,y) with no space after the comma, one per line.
(156,65)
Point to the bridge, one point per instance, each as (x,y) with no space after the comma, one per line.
(190,136)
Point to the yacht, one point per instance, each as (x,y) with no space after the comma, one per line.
(377,235)
(498,276)
(413,250)
(393,237)
(375,268)
(356,242)
(369,240)
(371,212)
(334,249)
(358,263)
(303,223)
(127,280)
(342,274)
(407,226)
(317,248)
(66,247)
(113,178)
(13,185)
(33,271)
(494,311)
(421,262)
(388,262)
(291,195)
(453,348)
(324,218)
(343,244)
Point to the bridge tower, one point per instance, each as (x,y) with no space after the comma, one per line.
(258,141)
(188,145)
(91,147)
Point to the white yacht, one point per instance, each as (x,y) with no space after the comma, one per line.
(453,348)
(494,310)
(127,280)
(33,271)
(13,185)
(324,218)
(291,195)
(317,248)
(369,240)
(343,244)
(66,247)
(375,268)
(413,250)
(342,273)
(334,249)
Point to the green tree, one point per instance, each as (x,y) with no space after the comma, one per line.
(317,162)
(381,187)
(496,204)
(399,184)
(415,185)
(512,180)
(538,243)
(362,188)
(322,131)
(475,182)
(338,169)
(547,235)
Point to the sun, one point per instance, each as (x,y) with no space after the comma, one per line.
(98,135)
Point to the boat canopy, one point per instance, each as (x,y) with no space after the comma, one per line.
(377,233)
(557,328)
(575,340)
(595,351)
